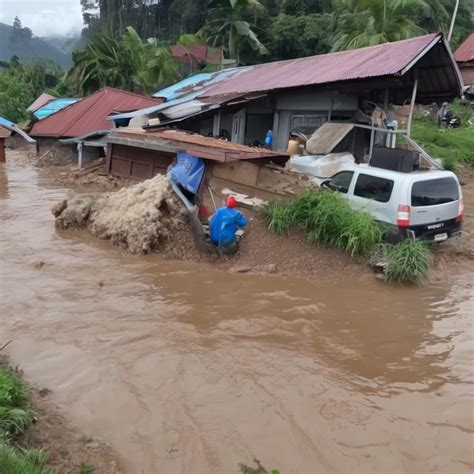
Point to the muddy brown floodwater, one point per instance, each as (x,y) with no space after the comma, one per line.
(182,368)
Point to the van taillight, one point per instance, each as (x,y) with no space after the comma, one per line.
(460,216)
(403,216)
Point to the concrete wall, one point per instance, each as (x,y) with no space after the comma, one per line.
(52,152)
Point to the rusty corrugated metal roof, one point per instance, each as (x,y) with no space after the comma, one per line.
(373,61)
(197,145)
(90,114)
(465,52)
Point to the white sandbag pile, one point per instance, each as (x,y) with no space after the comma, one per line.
(139,218)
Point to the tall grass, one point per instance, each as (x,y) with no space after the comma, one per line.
(278,217)
(408,262)
(328,219)
(15,417)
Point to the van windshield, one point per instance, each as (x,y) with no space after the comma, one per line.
(434,192)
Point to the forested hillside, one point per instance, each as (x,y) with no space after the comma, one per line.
(285,28)
(19,41)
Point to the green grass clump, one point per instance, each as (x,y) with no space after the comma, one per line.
(452,145)
(15,417)
(17,461)
(278,216)
(328,219)
(333,222)
(408,262)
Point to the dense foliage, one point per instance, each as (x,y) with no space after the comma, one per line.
(127,63)
(21,82)
(275,26)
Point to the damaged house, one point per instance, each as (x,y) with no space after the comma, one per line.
(225,117)
(243,104)
(75,131)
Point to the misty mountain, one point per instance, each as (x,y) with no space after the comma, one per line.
(64,44)
(30,48)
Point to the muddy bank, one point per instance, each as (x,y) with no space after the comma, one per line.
(67,449)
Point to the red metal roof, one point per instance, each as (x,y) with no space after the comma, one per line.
(90,114)
(465,52)
(373,61)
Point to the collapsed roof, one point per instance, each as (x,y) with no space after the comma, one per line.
(172,141)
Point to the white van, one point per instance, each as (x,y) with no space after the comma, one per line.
(427,205)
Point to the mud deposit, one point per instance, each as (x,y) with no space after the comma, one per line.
(182,368)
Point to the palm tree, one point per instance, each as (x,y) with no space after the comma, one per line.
(227,27)
(127,64)
(370,22)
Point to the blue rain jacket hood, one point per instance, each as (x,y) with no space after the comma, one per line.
(224,224)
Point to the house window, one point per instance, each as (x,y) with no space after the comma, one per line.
(307,123)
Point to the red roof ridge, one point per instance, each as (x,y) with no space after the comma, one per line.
(465,52)
(346,51)
(142,96)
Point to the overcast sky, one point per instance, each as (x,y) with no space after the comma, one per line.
(44,17)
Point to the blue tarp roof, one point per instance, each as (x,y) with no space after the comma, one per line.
(52,107)
(173,91)
(6,122)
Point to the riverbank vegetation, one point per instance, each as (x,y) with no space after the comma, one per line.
(328,219)
(15,417)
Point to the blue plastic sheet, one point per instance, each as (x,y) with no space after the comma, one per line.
(188,172)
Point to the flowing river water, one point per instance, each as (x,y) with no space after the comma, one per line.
(183,368)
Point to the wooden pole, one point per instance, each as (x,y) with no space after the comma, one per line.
(412,107)
(2,150)
(453,20)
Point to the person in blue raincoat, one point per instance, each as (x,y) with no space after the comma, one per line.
(224,225)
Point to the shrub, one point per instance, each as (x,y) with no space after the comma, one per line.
(408,262)
(278,216)
(13,392)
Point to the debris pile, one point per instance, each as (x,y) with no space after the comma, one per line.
(140,218)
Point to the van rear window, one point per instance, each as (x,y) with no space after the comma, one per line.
(434,192)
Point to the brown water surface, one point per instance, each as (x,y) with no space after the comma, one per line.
(182,368)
